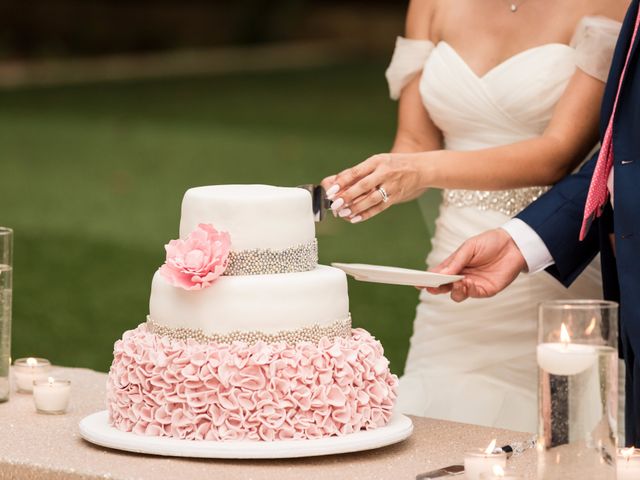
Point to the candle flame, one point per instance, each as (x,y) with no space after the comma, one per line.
(32,362)
(564,334)
(627,452)
(491,447)
(51,381)
(498,471)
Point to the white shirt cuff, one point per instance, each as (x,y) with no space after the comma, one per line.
(533,249)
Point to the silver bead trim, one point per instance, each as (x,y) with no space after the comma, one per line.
(312,333)
(508,202)
(299,258)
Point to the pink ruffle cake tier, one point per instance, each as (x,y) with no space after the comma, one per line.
(204,391)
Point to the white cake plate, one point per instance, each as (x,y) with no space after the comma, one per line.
(396,275)
(96,429)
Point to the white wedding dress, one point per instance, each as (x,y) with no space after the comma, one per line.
(474,362)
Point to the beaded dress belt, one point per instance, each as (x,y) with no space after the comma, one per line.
(508,202)
(311,333)
(299,258)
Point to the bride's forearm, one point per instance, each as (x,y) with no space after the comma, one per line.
(535,162)
(408,141)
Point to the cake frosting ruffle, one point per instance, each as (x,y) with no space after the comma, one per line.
(206,391)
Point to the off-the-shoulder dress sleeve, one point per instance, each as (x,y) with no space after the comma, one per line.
(408,59)
(594,40)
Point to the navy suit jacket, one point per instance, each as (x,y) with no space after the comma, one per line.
(557,216)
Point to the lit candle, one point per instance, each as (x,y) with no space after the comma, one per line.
(28,370)
(51,395)
(477,462)
(499,473)
(564,357)
(628,464)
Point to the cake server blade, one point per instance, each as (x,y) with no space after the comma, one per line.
(319,198)
(450,471)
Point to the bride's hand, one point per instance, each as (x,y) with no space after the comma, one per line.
(357,192)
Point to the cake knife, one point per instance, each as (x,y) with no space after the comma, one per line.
(319,198)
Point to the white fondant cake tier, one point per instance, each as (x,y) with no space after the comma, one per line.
(256,216)
(268,303)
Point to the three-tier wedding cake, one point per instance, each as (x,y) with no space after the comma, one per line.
(247,336)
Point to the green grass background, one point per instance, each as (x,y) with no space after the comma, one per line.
(92,176)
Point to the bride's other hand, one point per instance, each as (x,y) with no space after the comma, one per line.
(372,186)
(489,262)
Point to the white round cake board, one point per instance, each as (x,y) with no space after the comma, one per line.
(96,429)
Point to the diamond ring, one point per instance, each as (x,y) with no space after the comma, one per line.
(383,194)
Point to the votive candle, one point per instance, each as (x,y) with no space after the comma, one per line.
(628,464)
(28,370)
(51,395)
(478,462)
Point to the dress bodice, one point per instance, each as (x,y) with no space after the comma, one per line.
(513,101)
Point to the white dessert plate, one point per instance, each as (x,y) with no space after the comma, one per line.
(95,428)
(396,275)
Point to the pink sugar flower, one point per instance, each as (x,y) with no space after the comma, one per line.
(198,260)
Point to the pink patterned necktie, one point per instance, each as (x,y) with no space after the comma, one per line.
(598,192)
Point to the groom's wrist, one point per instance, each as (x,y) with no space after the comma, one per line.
(535,253)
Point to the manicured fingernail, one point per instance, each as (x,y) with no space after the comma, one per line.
(345,212)
(335,206)
(332,191)
(356,219)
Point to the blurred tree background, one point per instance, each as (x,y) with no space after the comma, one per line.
(93,169)
(40,28)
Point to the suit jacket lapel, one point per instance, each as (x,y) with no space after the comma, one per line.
(634,48)
(617,63)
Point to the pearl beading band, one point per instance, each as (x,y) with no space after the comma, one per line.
(299,258)
(508,202)
(312,333)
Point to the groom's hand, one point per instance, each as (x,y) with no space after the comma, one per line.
(489,262)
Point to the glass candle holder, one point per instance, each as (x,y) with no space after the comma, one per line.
(28,370)
(51,396)
(478,462)
(578,389)
(628,464)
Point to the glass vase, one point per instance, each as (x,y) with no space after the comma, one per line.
(578,389)
(6,290)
